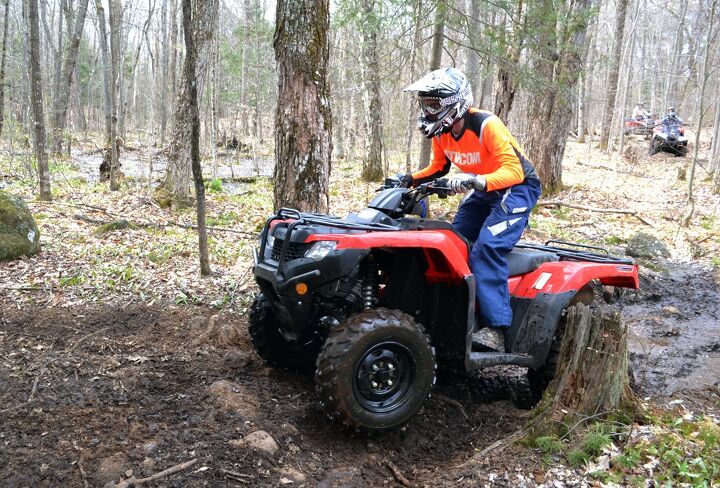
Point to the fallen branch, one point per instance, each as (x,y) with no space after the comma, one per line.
(76,205)
(146,225)
(135,481)
(496,447)
(29,400)
(398,474)
(452,402)
(558,203)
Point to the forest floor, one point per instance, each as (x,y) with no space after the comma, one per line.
(106,370)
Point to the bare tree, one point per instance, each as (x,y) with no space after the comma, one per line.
(178,179)
(107,76)
(66,78)
(612,83)
(190,75)
(36,99)
(372,163)
(303,120)
(413,109)
(711,35)
(557,63)
(3,56)
(435,60)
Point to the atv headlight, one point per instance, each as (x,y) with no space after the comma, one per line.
(268,246)
(320,249)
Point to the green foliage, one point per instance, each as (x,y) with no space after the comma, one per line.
(214,185)
(577,458)
(549,444)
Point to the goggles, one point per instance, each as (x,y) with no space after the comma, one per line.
(431,105)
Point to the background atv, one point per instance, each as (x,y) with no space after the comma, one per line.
(641,126)
(374,301)
(669,136)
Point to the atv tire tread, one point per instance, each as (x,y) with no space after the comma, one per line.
(330,369)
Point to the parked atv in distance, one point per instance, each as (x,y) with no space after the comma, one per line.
(374,301)
(641,126)
(669,136)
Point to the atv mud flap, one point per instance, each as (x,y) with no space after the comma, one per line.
(530,336)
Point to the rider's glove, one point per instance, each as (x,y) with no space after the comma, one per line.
(406,180)
(463,183)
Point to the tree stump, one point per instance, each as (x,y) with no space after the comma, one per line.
(592,378)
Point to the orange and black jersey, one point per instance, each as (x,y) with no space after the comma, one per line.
(484,147)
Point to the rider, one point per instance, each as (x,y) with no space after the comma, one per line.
(505,185)
(639,111)
(670,117)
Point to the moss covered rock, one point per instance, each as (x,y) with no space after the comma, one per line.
(112,226)
(643,245)
(19,235)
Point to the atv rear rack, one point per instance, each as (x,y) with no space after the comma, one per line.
(573,251)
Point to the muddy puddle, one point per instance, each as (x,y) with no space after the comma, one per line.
(675,330)
(147,164)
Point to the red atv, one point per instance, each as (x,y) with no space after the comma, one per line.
(373,302)
(641,126)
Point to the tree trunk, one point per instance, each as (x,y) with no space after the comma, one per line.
(628,78)
(413,108)
(677,48)
(107,77)
(592,379)
(612,83)
(506,81)
(701,106)
(586,78)
(36,99)
(372,163)
(557,63)
(715,147)
(472,70)
(190,73)
(178,179)
(303,120)
(3,56)
(114,62)
(66,79)
(435,60)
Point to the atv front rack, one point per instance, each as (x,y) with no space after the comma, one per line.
(573,251)
(299,218)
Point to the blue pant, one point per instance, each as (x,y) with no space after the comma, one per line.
(495,221)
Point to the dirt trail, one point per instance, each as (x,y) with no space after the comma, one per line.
(106,390)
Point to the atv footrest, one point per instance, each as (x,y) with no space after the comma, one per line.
(478,360)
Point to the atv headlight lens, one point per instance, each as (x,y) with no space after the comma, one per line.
(320,249)
(269,243)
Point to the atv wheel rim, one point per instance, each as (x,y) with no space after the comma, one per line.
(384,377)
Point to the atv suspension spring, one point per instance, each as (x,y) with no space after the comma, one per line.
(369,289)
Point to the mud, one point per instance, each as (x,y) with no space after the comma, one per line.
(89,394)
(675,329)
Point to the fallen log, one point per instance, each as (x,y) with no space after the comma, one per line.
(559,203)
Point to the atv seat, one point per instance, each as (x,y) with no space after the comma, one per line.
(521,261)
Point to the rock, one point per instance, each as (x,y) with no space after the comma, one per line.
(342,477)
(219,334)
(259,441)
(19,235)
(150,446)
(111,469)
(291,475)
(237,359)
(232,396)
(289,429)
(670,310)
(643,245)
(112,226)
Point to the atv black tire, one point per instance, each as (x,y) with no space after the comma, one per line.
(654,147)
(273,346)
(539,379)
(375,370)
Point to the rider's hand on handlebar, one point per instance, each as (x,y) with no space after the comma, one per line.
(463,183)
(406,180)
